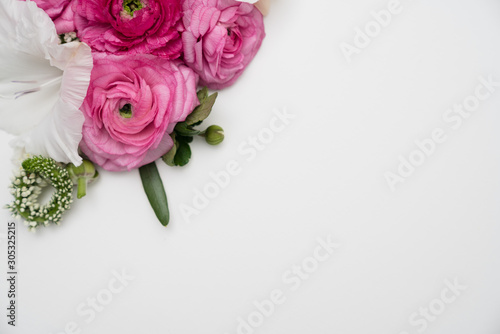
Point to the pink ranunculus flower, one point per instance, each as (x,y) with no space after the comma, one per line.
(60,12)
(221,37)
(132,104)
(130,26)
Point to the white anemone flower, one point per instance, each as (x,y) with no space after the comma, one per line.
(42,83)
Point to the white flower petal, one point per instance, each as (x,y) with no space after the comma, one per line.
(42,83)
(76,60)
(58,136)
(19,154)
(26,28)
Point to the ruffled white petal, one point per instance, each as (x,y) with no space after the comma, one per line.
(26,28)
(42,83)
(58,136)
(76,61)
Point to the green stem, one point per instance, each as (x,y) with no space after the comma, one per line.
(82,187)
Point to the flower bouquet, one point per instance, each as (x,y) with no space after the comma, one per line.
(113,84)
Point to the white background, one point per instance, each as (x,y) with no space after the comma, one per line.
(322,175)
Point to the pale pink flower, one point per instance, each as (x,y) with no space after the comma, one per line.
(221,39)
(132,105)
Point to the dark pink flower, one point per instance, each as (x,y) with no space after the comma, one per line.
(221,37)
(60,12)
(130,26)
(132,104)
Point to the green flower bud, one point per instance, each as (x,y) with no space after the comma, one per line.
(82,175)
(214,135)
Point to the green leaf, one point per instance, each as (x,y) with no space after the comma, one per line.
(153,186)
(168,158)
(183,154)
(185,139)
(202,111)
(185,130)
(202,94)
(180,154)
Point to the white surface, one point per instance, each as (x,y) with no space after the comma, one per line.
(322,175)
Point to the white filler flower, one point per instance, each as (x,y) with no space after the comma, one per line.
(42,83)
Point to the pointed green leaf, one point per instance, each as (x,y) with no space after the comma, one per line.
(183,154)
(153,186)
(168,158)
(202,94)
(185,130)
(202,111)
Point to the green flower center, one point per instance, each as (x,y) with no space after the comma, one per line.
(126,111)
(130,6)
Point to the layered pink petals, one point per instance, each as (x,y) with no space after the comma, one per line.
(148,58)
(157,92)
(152,28)
(221,38)
(61,12)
